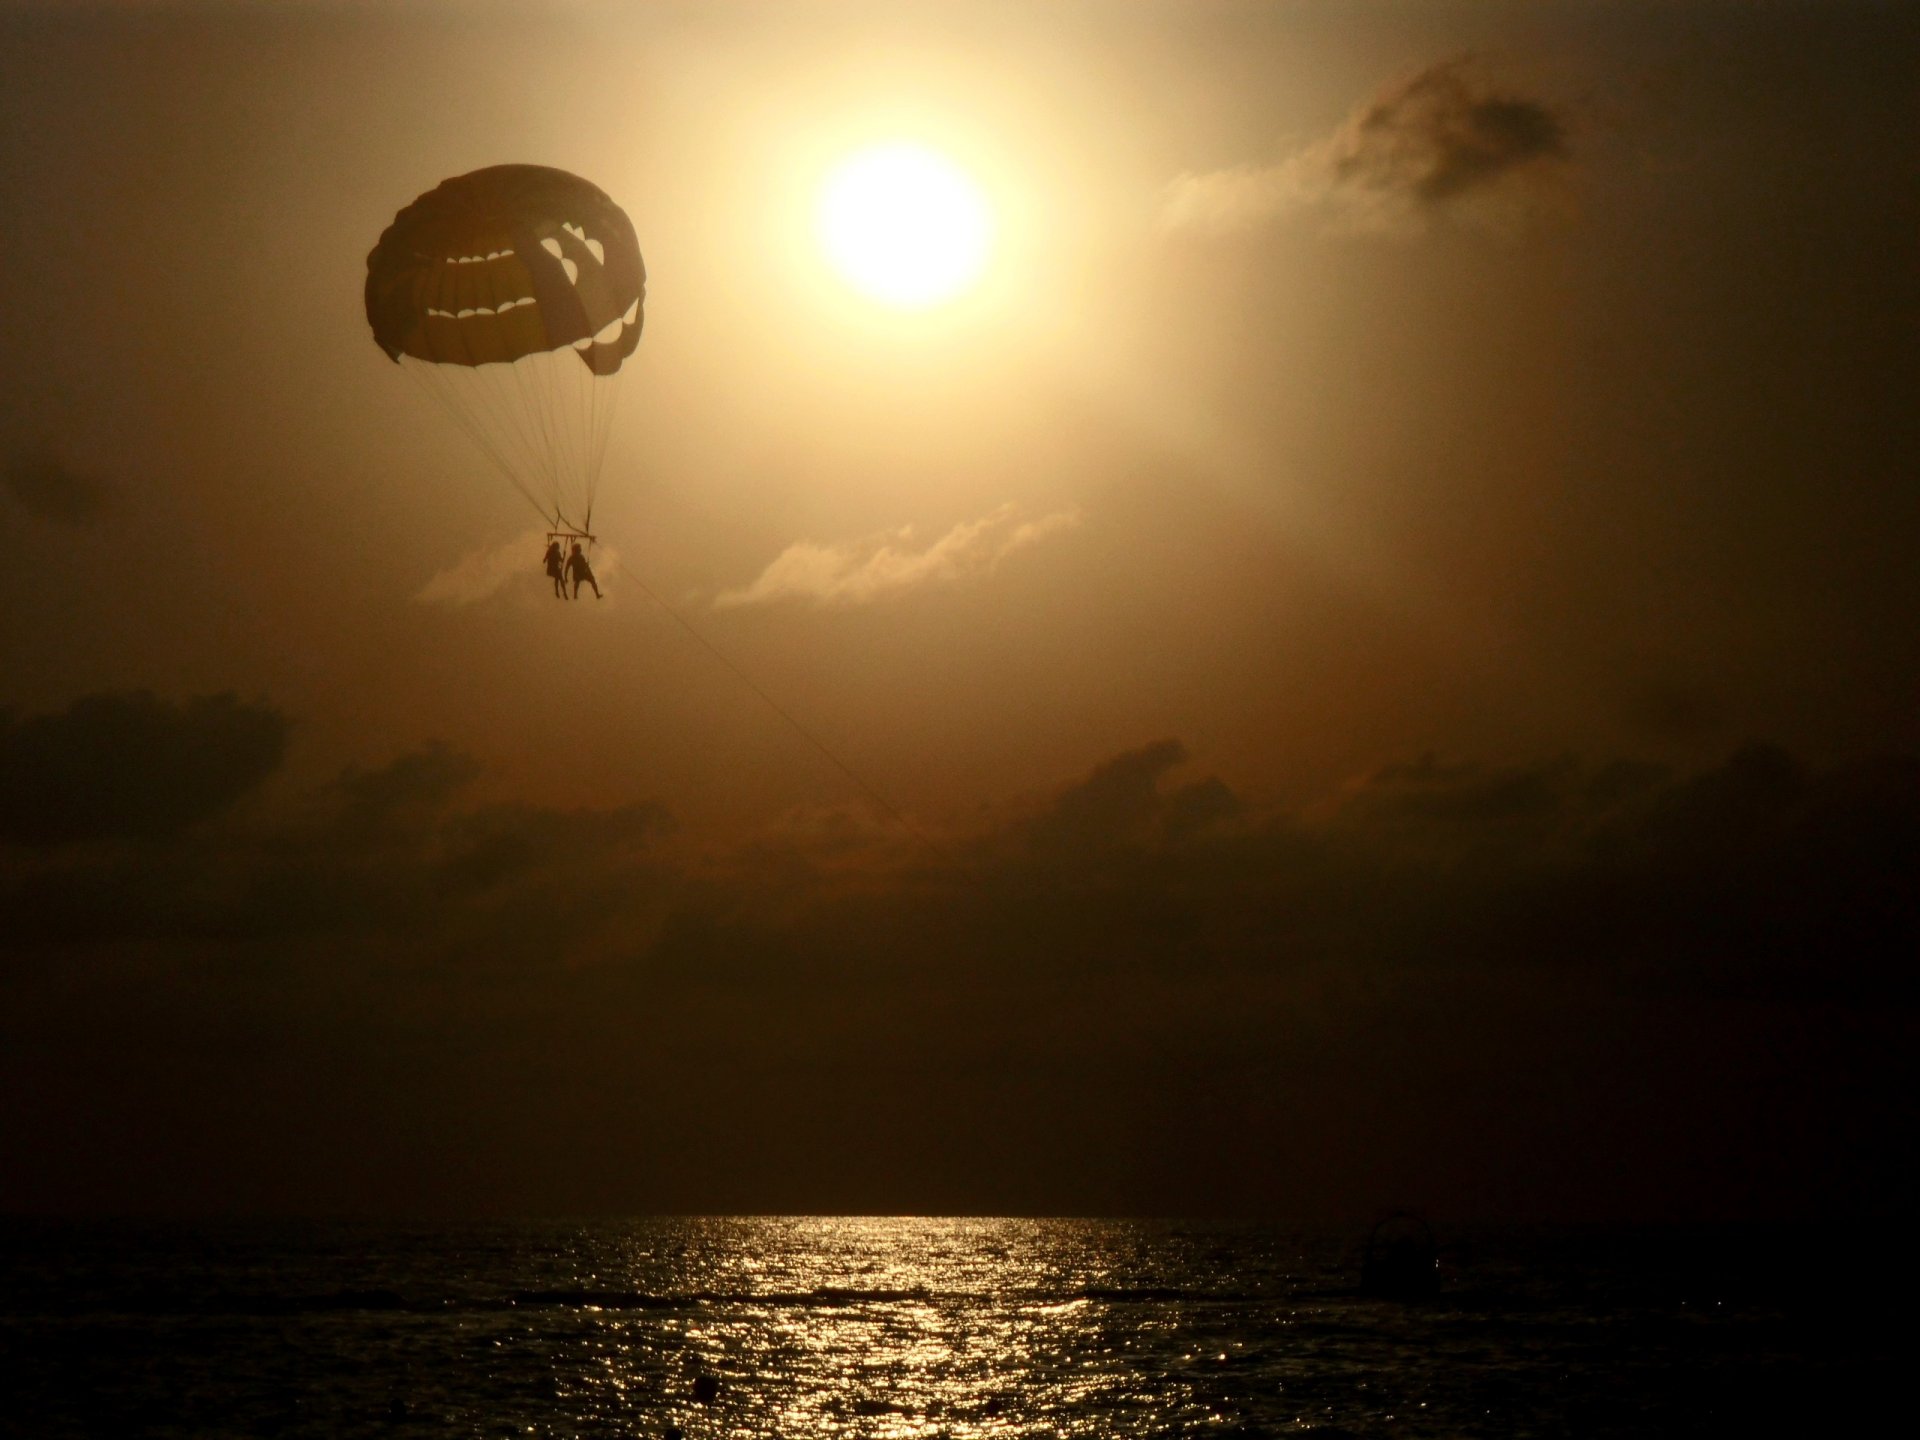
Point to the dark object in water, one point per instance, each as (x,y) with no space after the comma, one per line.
(706,1388)
(1401,1261)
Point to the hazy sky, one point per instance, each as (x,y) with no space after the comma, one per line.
(1389,613)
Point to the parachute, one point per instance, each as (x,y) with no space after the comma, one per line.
(514,294)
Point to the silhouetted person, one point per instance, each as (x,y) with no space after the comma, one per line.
(556,570)
(578,568)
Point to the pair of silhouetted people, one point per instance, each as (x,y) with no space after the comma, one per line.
(574,568)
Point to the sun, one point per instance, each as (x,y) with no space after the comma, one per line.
(904,225)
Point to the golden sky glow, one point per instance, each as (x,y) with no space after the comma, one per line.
(1296,438)
(1300,501)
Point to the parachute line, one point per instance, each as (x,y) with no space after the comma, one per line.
(517,293)
(860,782)
(501,447)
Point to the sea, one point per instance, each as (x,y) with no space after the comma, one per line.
(874,1327)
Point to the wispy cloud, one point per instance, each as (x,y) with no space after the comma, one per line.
(876,567)
(1448,142)
(481,574)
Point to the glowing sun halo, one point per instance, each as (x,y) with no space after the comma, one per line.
(904,225)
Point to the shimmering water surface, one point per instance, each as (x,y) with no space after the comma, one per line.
(882,1328)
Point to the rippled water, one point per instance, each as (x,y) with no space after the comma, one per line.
(923,1327)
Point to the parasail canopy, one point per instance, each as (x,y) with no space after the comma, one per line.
(515,294)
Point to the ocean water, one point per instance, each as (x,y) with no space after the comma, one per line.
(811,1327)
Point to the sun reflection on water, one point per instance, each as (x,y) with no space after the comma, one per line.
(889,1328)
(803,1329)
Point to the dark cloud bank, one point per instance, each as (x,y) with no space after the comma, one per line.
(1450,142)
(118,766)
(1559,989)
(45,485)
(1443,133)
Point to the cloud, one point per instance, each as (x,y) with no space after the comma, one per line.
(47,486)
(1122,802)
(1423,865)
(879,567)
(131,765)
(387,858)
(1081,1002)
(481,574)
(1447,143)
(409,794)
